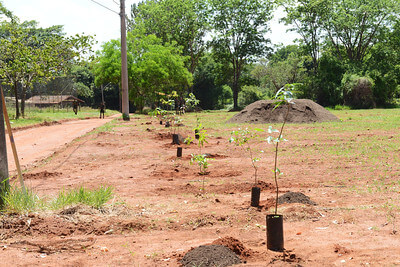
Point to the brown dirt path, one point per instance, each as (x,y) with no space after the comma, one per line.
(37,143)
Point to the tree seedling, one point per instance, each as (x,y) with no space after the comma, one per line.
(243,138)
(191,102)
(200,158)
(284,97)
(158,113)
(197,129)
(176,122)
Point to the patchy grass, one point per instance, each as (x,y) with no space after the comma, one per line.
(17,201)
(36,115)
(94,198)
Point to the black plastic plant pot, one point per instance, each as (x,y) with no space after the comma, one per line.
(175,139)
(196,134)
(275,232)
(160,122)
(255,196)
(179,151)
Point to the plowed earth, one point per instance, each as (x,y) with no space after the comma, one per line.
(161,210)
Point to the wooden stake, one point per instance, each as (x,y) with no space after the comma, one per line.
(10,135)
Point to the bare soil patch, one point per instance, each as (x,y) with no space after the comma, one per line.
(161,210)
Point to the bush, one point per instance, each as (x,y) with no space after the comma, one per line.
(341,107)
(358,91)
(225,98)
(249,94)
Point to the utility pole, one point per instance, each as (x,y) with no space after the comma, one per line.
(3,156)
(124,66)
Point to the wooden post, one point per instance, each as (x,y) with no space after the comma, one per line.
(21,181)
(4,183)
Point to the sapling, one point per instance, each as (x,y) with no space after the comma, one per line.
(243,138)
(198,128)
(171,104)
(158,113)
(191,102)
(275,240)
(284,97)
(177,121)
(200,158)
(188,140)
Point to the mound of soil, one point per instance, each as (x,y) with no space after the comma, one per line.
(210,255)
(295,197)
(303,111)
(234,245)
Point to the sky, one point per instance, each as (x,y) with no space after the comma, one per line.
(88,17)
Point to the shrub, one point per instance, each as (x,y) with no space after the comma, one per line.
(357,91)
(249,94)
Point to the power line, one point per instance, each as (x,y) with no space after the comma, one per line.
(105,7)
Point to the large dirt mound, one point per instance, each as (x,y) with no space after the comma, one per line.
(303,111)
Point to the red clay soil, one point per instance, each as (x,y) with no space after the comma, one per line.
(161,210)
(40,141)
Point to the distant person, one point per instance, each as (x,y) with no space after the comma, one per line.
(102,109)
(75,107)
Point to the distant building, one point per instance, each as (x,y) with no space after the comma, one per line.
(52,100)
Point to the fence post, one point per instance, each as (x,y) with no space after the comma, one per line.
(4,183)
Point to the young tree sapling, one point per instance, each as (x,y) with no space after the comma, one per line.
(284,97)
(243,138)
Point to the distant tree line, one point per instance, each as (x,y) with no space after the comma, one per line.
(32,55)
(348,53)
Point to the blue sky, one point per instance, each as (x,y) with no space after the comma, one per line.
(85,16)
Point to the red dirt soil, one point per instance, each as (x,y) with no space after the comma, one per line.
(160,211)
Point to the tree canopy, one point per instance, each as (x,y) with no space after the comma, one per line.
(31,54)
(184,22)
(154,69)
(239,28)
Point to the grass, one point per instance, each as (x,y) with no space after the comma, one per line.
(94,198)
(38,115)
(17,201)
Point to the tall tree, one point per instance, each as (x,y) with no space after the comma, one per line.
(29,54)
(383,66)
(306,17)
(356,25)
(181,21)
(153,69)
(4,11)
(239,28)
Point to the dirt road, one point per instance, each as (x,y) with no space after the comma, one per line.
(40,142)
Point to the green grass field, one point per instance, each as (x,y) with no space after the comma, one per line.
(36,115)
